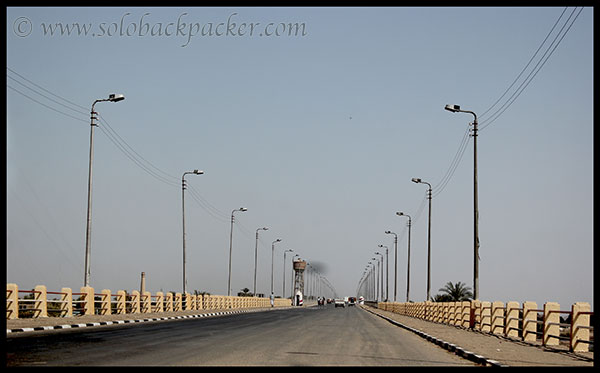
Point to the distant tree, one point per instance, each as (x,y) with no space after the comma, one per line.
(245,292)
(454,293)
(442,298)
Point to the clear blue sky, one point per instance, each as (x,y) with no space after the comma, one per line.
(317,133)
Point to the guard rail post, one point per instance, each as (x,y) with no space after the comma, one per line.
(580,324)
(443,316)
(159,307)
(105,308)
(121,305)
(497,317)
(486,317)
(466,314)
(529,321)
(457,313)
(475,314)
(66,307)
(41,302)
(511,324)
(146,302)
(451,313)
(169,302)
(199,301)
(88,300)
(185,301)
(177,302)
(12,301)
(551,324)
(135,301)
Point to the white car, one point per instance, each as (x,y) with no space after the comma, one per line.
(339,302)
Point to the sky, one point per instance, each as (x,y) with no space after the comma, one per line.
(315,120)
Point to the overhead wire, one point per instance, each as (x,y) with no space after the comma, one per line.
(526,66)
(113,136)
(536,69)
(440,186)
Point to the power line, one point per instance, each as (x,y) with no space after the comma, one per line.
(525,68)
(549,51)
(117,140)
(453,165)
(486,122)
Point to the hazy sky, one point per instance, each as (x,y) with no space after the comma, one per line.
(317,133)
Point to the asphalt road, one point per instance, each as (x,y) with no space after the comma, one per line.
(287,337)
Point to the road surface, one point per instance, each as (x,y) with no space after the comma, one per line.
(300,336)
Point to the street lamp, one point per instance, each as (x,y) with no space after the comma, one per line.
(381,274)
(195,172)
(272,261)
(395,261)
(88,230)
(283,287)
(417,180)
(242,209)
(256,255)
(400,213)
(456,109)
(387,273)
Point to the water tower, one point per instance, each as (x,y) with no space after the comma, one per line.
(299,266)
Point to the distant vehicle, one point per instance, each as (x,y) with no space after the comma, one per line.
(361,300)
(339,302)
(351,301)
(329,300)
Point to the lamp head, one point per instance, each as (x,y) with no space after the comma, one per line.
(115,97)
(416,180)
(452,108)
(198,172)
(388,232)
(399,213)
(243,209)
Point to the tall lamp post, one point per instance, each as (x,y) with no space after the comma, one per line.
(195,172)
(256,255)
(370,281)
(272,261)
(456,109)
(387,272)
(419,181)
(400,213)
(283,287)
(381,275)
(395,260)
(230,247)
(88,230)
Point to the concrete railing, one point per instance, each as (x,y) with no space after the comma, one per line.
(35,302)
(511,320)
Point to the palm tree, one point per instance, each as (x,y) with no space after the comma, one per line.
(454,293)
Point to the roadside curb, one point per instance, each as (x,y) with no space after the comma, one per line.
(446,345)
(129,321)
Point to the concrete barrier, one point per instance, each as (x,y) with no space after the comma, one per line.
(496,318)
(107,303)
